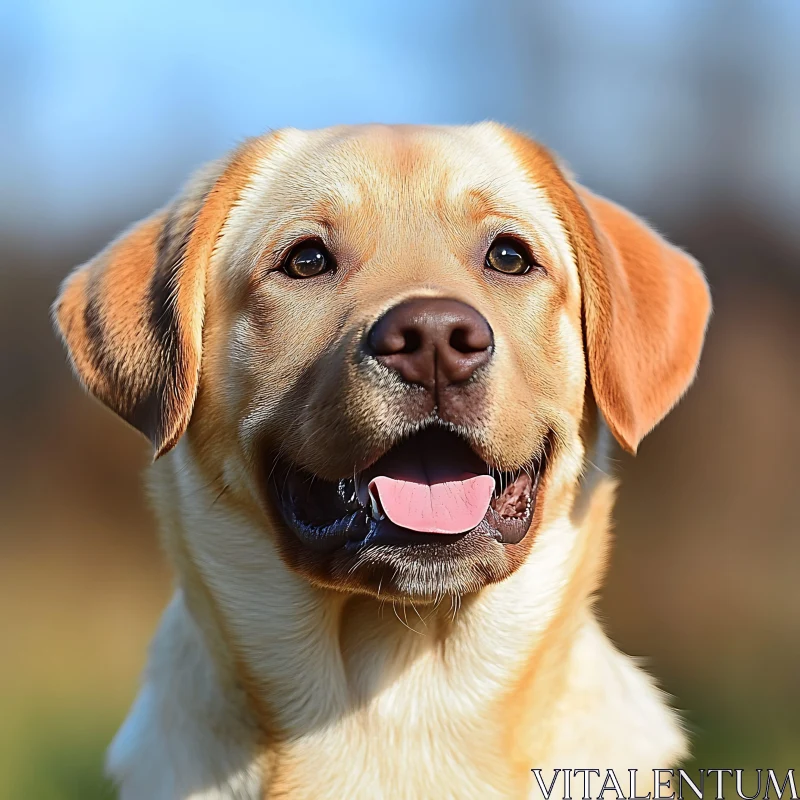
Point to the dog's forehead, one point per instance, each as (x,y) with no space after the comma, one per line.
(404,163)
(378,176)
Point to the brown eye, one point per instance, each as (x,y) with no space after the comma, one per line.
(308,260)
(509,257)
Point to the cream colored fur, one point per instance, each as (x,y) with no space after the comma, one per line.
(380,701)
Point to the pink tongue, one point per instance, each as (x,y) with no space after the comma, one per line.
(453,506)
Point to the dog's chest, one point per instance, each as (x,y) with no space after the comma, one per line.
(393,752)
(389,712)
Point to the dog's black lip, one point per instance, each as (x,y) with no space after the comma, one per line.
(356,529)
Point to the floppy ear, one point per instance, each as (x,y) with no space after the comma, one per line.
(646,305)
(132,317)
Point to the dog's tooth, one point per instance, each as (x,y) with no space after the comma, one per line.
(375,508)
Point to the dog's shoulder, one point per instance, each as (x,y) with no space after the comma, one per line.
(183,736)
(613,715)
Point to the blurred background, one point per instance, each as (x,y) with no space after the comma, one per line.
(687,112)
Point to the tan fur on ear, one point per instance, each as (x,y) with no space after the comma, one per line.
(132,317)
(646,303)
(646,306)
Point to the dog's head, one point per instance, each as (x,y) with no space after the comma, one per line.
(389,344)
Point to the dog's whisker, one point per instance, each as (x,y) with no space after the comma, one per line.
(455,605)
(224,490)
(404,624)
(410,600)
(275,462)
(599,469)
(205,486)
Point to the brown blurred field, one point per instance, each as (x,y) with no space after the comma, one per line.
(81,580)
(687,112)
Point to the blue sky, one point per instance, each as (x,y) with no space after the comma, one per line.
(106,106)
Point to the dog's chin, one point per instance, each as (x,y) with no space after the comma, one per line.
(366,533)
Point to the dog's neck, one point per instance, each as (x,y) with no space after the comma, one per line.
(294,640)
(304,669)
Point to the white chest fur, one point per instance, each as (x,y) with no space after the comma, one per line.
(414,725)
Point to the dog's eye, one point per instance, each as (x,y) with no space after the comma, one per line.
(509,257)
(307,260)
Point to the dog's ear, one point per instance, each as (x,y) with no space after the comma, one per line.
(132,317)
(646,306)
(645,303)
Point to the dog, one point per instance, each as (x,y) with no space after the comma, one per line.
(382,369)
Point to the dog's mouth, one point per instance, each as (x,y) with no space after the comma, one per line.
(429,488)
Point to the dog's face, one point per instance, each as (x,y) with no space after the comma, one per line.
(389,344)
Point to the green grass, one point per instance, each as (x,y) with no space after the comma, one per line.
(56,756)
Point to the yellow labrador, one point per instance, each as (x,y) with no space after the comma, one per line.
(381,368)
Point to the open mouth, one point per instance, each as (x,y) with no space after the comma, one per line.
(429,488)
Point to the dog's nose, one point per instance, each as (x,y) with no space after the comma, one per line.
(432,341)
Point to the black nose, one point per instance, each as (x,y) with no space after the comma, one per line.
(432,341)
